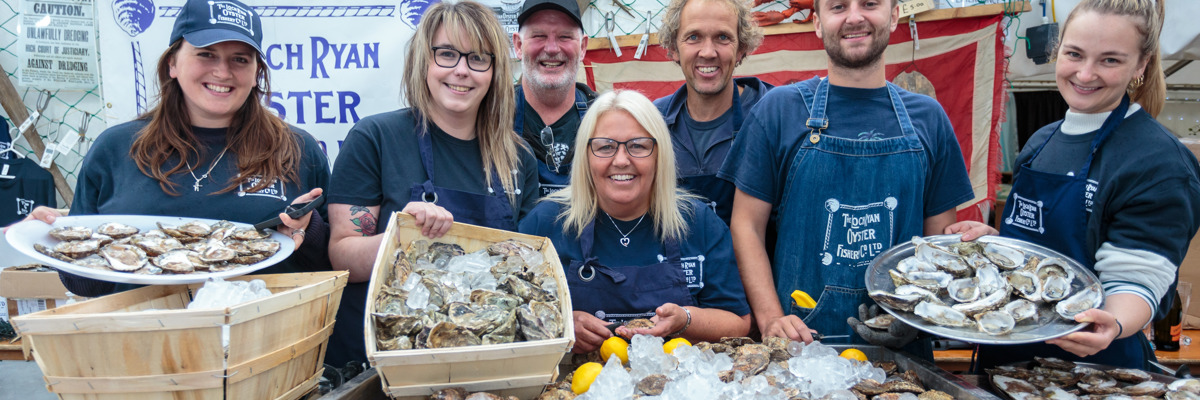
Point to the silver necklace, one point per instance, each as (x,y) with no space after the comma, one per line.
(196,186)
(625,236)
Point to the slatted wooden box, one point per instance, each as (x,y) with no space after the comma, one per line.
(146,344)
(520,369)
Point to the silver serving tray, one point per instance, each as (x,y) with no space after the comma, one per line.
(932,377)
(1049,324)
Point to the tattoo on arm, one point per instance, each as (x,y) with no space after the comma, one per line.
(363,219)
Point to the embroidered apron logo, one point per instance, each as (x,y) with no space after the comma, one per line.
(1027,214)
(854,235)
(1089,194)
(693,269)
(24,207)
(274,190)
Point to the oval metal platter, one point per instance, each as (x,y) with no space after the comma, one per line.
(24,235)
(1048,324)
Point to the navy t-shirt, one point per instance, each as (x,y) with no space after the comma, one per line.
(772,134)
(707,252)
(23,184)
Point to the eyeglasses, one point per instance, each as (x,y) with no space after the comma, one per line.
(637,147)
(447,57)
(547,139)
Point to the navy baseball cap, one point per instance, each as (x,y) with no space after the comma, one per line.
(207,22)
(569,7)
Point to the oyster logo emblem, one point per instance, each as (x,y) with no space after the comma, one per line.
(855,234)
(223,12)
(133,16)
(1026,214)
(24,207)
(412,10)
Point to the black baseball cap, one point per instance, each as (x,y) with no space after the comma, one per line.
(208,22)
(569,7)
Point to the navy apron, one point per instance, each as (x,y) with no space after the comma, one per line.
(622,293)
(846,201)
(1048,209)
(551,177)
(492,210)
(703,180)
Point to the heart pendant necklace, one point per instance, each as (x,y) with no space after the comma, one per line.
(625,236)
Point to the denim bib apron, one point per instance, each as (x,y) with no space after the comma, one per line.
(703,180)
(550,177)
(845,201)
(1048,209)
(622,293)
(492,210)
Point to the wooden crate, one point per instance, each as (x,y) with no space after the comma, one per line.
(518,368)
(146,344)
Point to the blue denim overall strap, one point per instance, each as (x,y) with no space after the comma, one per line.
(844,202)
(622,293)
(704,181)
(1048,209)
(492,210)
(551,180)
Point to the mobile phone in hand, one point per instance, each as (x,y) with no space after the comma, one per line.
(292,210)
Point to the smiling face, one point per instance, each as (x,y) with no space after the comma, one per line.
(1098,57)
(550,45)
(623,183)
(855,32)
(458,91)
(215,80)
(708,46)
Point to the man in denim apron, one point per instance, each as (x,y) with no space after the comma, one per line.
(847,166)
(708,39)
(550,104)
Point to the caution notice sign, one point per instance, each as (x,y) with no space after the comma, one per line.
(57,44)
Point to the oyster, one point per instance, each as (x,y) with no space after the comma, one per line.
(123,257)
(990,279)
(1054,267)
(267,247)
(897,301)
(1055,288)
(991,302)
(914,264)
(1026,284)
(509,248)
(539,321)
(750,363)
(178,260)
(653,384)
(941,315)
(1005,257)
(1098,384)
(249,234)
(52,253)
(932,281)
(964,290)
(447,334)
(94,261)
(196,229)
(1055,363)
(1190,385)
(995,322)
(524,289)
(935,395)
(926,294)
(869,387)
(1148,388)
(1086,299)
(1016,388)
(1129,375)
(392,325)
(1021,309)
(69,233)
(116,230)
(880,322)
(902,385)
(216,252)
(935,254)
(156,245)
(1057,393)
(488,297)
(77,249)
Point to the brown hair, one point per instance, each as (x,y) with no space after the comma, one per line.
(749,34)
(1147,17)
(498,144)
(263,143)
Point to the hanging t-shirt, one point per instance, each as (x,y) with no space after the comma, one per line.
(23,184)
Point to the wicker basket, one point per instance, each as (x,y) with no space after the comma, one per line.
(520,369)
(146,344)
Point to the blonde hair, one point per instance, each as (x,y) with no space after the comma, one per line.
(1147,16)
(749,34)
(476,25)
(668,203)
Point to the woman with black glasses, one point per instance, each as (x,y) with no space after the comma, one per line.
(632,243)
(451,156)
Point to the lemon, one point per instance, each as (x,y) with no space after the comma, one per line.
(615,345)
(854,354)
(670,346)
(803,300)
(584,376)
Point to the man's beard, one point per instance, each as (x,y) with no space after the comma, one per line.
(534,77)
(874,51)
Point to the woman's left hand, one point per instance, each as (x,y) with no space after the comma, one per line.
(294,228)
(668,318)
(1090,340)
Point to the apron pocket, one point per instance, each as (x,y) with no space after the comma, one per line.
(833,307)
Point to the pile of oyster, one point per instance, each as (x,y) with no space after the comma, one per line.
(991,287)
(434,295)
(194,247)
(1052,378)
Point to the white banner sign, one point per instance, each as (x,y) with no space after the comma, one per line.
(331,65)
(57,45)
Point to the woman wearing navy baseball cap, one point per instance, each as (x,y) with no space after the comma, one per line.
(209,148)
